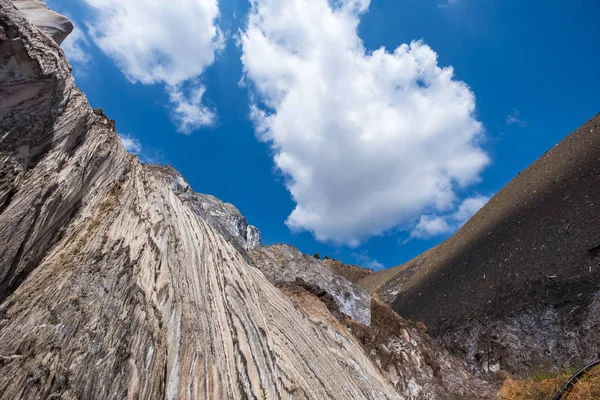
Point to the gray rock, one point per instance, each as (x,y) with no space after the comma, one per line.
(223,217)
(283,263)
(57,26)
(539,339)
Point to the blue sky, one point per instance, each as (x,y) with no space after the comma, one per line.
(290,109)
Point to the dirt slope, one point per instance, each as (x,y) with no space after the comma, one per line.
(533,249)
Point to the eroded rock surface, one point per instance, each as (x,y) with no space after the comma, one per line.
(226,218)
(112,286)
(417,366)
(223,217)
(57,26)
(282,263)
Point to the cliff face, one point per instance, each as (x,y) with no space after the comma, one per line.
(54,25)
(416,366)
(282,263)
(517,286)
(113,285)
(223,217)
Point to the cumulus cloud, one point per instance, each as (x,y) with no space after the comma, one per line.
(131,144)
(434,225)
(188,111)
(366,140)
(169,43)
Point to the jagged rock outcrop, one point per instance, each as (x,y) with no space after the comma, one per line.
(57,26)
(224,217)
(412,362)
(517,286)
(112,286)
(282,263)
(418,367)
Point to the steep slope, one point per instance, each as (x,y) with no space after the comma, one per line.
(406,355)
(113,286)
(517,287)
(353,273)
(282,263)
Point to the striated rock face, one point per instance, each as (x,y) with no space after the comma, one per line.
(412,362)
(112,285)
(223,217)
(417,366)
(49,22)
(282,263)
(517,286)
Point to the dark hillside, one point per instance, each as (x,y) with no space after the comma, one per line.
(534,247)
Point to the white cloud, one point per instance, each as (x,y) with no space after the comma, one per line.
(367,262)
(429,226)
(468,208)
(514,119)
(367,141)
(435,225)
(188,111)
(169,43)
(448,3)
(76,46)
(131,144)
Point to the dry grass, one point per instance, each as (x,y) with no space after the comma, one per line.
(544,386)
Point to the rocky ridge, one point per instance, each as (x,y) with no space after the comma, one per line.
(56,26)
(282,263)
(112,286)
(224,217)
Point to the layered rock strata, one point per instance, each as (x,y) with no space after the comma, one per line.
(112,286)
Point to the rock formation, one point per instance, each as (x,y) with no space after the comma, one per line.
(117,280)
(49,22)
(412,362)
(113,286)
(283,263)
(517,287)
(223,217)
